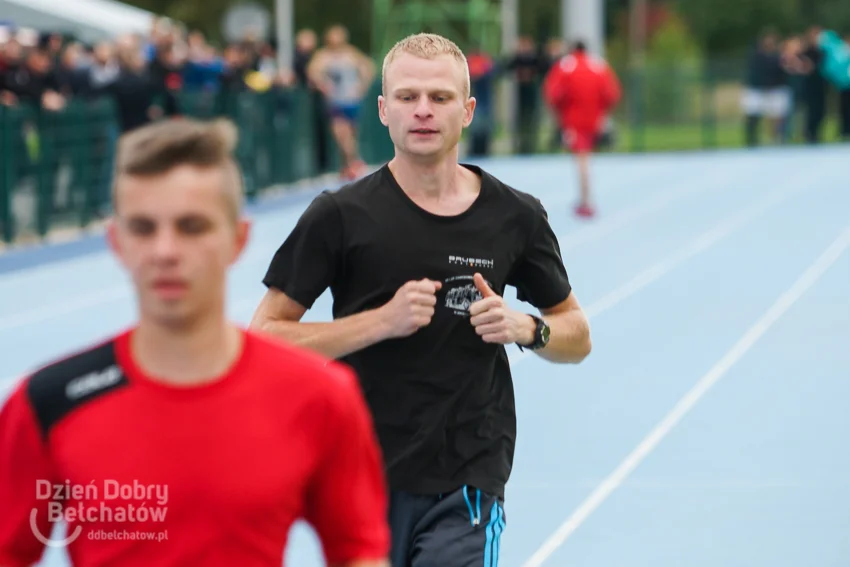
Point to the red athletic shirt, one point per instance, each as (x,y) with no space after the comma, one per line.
(199,476)
(582,89)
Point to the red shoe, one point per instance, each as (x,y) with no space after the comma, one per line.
(346,174)
(354,170)
(585,211)
(359,168)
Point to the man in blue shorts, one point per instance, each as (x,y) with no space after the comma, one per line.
(343,73)
(418,256)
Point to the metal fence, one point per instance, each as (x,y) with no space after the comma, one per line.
(55,167)
(680,107)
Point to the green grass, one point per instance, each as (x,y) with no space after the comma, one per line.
(677,137)
(673,137)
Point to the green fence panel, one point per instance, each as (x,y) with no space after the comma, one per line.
(376,146)
(56,167)
(300,134)
(10,151)
(708,110)
(283,144)
(45,166)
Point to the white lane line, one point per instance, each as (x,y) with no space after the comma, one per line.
(49,312)
(55,269)
(570,240)
(663,267)
(631,287)
(59,267)
(623,218)
(7,385)
(245,306)
(645,447)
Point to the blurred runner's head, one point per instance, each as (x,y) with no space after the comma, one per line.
(178,226)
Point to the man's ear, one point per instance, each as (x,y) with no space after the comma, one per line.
(382,109)
(243,236)
(113,240)
(469,111)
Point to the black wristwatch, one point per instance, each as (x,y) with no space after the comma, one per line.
(541,335)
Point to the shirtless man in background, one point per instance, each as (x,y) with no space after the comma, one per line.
(343,73)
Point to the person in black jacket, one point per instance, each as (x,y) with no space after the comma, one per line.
(814,89)
(844,105)
(767,94)
(140,98)
(34,82)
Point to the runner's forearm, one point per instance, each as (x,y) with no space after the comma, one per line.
(334,339)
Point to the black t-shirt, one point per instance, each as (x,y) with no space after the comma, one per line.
(442,399)
(815,82)
(766,71)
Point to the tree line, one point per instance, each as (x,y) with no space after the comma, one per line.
(719,28)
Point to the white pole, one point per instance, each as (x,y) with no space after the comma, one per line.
(510,25)
(510,34)
(584,20)
(637,32)
(284,18)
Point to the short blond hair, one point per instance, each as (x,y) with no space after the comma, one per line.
(427,46)
(159,147)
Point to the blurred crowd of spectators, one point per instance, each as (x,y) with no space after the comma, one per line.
(142,73)
(785,87)
(145,74)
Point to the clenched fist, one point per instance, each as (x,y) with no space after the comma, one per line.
(411,308)
(497,323)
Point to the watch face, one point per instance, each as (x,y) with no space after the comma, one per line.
(544,333)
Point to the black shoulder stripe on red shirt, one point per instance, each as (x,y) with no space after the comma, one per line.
(60,388)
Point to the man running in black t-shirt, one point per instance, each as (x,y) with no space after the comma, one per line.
(418,255)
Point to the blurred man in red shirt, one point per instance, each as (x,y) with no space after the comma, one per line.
(186,440)
(582,89)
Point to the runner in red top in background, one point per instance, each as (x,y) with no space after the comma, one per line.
(187,441)
(583,90)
